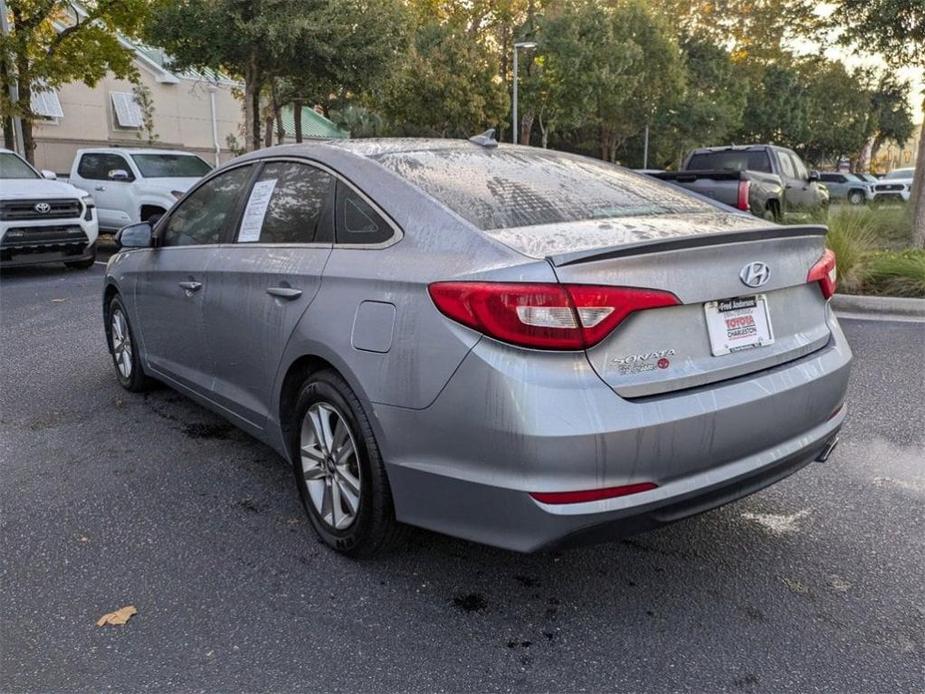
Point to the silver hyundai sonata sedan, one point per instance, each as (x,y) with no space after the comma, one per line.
(520,347)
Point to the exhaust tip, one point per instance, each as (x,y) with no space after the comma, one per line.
(827,449)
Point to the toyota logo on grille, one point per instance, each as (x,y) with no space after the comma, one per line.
(42,207)
(755,274)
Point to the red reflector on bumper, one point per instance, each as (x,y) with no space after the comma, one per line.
(591,494)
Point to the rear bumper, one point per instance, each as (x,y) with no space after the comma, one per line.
(514,520)
(504,427)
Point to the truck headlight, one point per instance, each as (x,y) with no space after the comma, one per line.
(87,200)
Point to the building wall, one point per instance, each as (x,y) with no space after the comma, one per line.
(182,120)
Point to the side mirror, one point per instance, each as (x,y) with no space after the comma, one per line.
(50,175)
(139,235)
(118,175)
(813,176)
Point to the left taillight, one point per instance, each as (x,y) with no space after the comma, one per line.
(542,315)
(742,196)
(825,273)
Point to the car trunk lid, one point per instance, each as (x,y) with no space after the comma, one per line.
(668,349)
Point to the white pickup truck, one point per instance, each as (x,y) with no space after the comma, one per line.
(134,185)
(42,220)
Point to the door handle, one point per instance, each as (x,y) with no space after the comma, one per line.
(100,188)
(285,292)
(191,286)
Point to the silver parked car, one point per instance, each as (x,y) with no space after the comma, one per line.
(515,346)
(847,187)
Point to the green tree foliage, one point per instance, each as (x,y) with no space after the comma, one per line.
(317,44)
(837,109)
(708,111)
(890,112)
(896,30)
(52,42)
(777,108)
(448,85)
(603,70)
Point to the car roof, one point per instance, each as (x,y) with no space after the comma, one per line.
(371,148)
(734,148)
(135,150)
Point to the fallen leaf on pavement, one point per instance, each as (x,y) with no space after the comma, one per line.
(57,301)
(117,617)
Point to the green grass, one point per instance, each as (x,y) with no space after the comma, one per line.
(890,226)
(871,246)
(895,273)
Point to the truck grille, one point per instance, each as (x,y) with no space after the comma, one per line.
(889,186)
(11,210)
(38,237)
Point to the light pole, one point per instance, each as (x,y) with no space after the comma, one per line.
(525,45)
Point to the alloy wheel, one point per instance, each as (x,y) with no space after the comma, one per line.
(330,465)
(121,344)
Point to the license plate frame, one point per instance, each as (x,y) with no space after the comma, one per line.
(738,324)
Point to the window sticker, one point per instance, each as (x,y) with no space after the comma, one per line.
(256,210)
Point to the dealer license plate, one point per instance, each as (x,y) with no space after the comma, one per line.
(737,324)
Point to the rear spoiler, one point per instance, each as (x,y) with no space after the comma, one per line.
(676,243)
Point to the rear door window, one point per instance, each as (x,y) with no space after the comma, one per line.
(357,221)
(289,203)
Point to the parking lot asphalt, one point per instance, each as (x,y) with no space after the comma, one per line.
(110,499)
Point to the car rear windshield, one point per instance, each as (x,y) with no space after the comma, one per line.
(498,189)
(171,165)
(12,166)
(735,160)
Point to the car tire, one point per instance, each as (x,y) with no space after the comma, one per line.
(856,197)
(770,213)
(327,421)
(84,264)
(123,348)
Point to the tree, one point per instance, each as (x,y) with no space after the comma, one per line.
(52,42)
(307,41)
(896,30)
(710,109)
(777,109)
(890,117)
(837,112)
(448,86)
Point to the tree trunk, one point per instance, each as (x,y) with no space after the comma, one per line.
(24,83)
(917,201)
(8,138)
(864,158)
(268,132)
(252,86)
(297,116)
(28,141)
(544,131)
(526,127)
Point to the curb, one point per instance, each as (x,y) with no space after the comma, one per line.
(879,307)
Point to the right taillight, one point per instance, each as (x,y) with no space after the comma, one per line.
(825,273)
(543,315)
(742,197)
